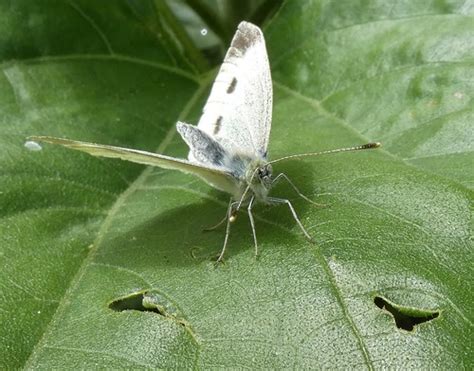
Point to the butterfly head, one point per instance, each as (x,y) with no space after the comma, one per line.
(264,175)
(259,178)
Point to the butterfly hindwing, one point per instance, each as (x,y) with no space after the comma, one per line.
(203,148)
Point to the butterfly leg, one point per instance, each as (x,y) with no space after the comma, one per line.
(233,217)
(252,223)
(208,229)
(230,218)
(274,200)
(283,176)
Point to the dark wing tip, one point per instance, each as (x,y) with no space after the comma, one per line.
(247,35)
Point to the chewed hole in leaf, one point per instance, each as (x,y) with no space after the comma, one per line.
(147,301)
(406,318)
(132,302)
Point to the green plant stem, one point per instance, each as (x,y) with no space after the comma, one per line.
(211,19)
(181,36)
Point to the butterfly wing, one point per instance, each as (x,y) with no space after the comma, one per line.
(203,148)
(215,176)
(238,112)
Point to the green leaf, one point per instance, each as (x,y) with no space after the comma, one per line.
(104,262)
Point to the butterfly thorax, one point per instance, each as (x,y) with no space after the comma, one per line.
(252,172)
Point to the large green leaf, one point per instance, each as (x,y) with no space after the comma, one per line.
(83,238)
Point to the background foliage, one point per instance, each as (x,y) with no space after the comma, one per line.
(83,238)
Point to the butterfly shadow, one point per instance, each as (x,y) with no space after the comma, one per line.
(177,237)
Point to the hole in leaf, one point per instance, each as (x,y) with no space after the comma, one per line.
(148,301)
(132,302)
(406,318)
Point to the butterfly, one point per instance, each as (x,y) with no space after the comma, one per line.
(228,148)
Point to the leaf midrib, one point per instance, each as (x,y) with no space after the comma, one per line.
(107,222)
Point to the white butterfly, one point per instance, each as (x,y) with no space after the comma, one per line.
(228,147)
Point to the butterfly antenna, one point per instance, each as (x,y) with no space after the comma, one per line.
(347,149)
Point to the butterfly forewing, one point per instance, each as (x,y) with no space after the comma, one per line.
(238,112)
(216,176)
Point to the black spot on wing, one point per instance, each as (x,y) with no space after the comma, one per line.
(217,125)
(232,86)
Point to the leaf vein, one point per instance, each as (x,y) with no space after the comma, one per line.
(91,351)
(104,57)
(94,25)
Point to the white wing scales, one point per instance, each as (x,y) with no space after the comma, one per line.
(236,120)
(238,112)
